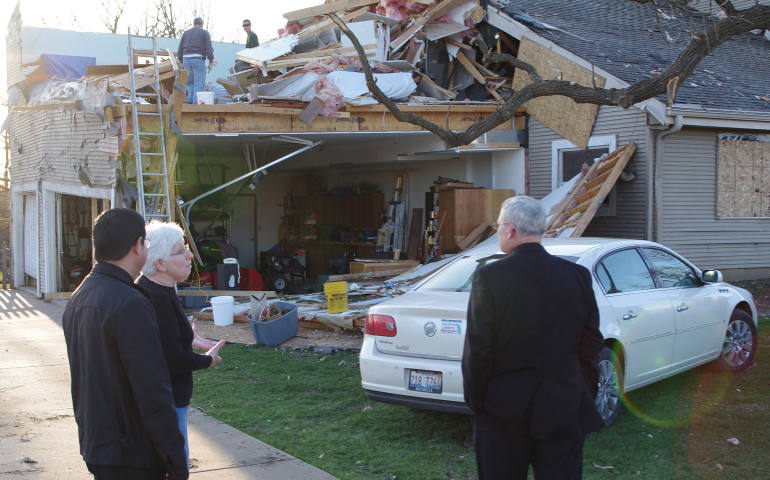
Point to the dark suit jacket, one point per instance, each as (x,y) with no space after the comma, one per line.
(531,344)
(121,392)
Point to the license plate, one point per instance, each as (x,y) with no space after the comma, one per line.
(425,381)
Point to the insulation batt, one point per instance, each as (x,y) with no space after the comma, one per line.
(400,9)
(330,95)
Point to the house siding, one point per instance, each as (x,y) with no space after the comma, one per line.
(630,220)
(689,223)
(63,147)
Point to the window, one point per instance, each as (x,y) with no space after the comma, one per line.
(743,186)
(624,271)
(567,160)
(669,270)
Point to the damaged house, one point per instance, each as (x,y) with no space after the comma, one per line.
(296,170)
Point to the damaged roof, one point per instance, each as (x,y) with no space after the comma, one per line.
(630,41)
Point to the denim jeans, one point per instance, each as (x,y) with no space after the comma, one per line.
(196,77)
(181,414)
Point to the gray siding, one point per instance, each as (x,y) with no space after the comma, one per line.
(688,219)
(628,126)
(62,147)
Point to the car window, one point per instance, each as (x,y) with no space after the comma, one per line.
(458,276)
(624,271)
(670,271)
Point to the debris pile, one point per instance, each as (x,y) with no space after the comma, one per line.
(420,51)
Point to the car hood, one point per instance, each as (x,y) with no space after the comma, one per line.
(429,324)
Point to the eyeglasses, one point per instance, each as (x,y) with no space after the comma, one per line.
(246,24)
(497,226)
(184,251)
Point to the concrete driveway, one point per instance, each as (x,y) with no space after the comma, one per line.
(38,434)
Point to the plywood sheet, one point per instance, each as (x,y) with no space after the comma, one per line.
(573,121)
(743,176)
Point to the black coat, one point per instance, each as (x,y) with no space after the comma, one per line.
(531,344)
(122,399)
(176,336)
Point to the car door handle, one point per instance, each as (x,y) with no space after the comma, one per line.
(629,316)
(682,308)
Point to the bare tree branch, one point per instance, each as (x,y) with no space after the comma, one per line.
(756,17)
(113,10)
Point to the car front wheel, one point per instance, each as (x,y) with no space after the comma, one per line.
(740,343)
(608,395)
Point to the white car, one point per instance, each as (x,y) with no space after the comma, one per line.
(659,314)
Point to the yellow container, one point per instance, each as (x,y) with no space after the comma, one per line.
(336,296)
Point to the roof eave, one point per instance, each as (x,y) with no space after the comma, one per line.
(698,116)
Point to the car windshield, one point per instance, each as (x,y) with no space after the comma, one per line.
(458,275)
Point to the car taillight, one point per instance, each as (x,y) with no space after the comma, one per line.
(382,325)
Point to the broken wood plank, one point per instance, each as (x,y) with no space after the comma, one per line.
(473,235)
(435,11)
(623,156)
(331,7)
(210,316)
(576,189)
(466,62)
(327,24)
(144,76)
(367,275)
(217,293)
(415,234)
(452,41)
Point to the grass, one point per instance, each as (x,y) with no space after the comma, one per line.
(312,406)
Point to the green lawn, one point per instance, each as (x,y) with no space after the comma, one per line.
(312,406)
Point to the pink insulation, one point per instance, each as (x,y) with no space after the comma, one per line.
(399,9)
(330,96)
(291,27)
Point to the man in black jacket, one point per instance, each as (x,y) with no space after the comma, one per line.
(121,391)
(529,363)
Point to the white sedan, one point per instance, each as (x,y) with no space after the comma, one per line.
(659,314)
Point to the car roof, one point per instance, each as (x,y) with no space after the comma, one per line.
(572,247)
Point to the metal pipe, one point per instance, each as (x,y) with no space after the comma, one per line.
(658,184)
(189,204)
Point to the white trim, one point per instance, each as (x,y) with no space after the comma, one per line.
(557,145)
(724,123)
(17,240)
(78,190)
(501,20)
(23,188)
(50,258)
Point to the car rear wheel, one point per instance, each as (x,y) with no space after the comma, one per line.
(608,395)
(740,343)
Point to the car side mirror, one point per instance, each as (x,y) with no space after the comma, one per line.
(712,276)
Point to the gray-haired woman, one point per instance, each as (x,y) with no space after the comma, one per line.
(169,262)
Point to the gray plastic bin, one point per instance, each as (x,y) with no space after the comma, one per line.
(277,331)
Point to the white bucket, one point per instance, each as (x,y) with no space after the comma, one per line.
(223,310)
(205,98)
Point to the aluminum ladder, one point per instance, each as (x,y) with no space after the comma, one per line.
(151,179)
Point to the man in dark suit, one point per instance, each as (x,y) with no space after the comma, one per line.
(529,363)
(121,390)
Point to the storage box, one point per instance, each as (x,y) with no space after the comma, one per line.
(195,301)
(277,331)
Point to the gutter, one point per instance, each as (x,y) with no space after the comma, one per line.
(658,178)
